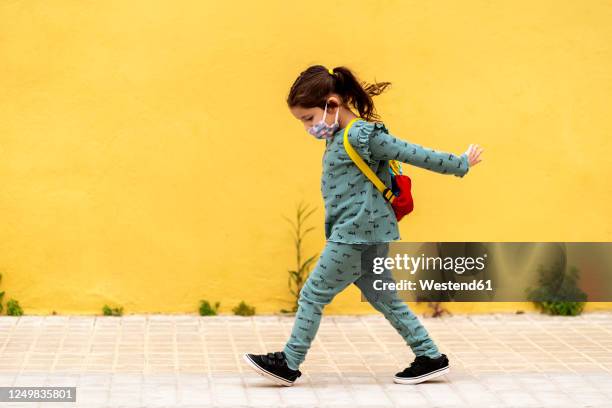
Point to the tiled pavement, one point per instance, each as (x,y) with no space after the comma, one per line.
(498,360)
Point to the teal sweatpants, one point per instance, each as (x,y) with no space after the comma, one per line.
(340,265)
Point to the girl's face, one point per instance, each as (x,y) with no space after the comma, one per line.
(311,116)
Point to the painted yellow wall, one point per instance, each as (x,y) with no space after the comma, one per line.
(147,155)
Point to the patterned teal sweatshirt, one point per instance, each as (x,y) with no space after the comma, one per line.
(355,211)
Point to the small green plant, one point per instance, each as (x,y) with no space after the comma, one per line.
(13,308)
(562,308)
(243,309)
(558,292)
(207,310)
(297,277)
(108,311)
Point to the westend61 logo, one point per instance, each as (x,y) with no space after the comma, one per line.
(492,271)
(413,264)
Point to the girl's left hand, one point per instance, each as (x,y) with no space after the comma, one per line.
(473,153)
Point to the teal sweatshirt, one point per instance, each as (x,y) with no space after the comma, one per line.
(355,211)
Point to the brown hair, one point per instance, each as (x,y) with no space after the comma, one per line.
(313,86)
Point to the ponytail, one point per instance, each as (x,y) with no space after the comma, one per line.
(357,94)
(314,85)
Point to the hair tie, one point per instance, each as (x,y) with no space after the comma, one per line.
(331,71)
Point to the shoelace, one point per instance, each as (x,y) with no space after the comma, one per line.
(418,362)
(277,358)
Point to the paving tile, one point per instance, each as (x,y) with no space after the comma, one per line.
(527,360)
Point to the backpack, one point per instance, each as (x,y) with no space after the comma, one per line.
(400,193)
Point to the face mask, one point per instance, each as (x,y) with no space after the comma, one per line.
(322,130)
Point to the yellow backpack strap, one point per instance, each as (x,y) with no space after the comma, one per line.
(365,169)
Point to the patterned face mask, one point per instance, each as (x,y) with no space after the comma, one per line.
(322,130)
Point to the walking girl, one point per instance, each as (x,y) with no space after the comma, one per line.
(359,221)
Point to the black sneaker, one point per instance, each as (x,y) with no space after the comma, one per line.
(273,366)
(423,368)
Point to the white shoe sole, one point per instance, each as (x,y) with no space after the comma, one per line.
(276,379)
(422,378)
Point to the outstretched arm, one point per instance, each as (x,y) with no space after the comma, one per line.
(387,147)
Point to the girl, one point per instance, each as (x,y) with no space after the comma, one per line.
(359,222)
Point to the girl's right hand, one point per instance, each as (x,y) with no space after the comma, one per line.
(473,153)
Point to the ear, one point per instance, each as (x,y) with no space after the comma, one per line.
(333,101)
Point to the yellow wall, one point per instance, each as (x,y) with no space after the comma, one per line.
(147,155)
